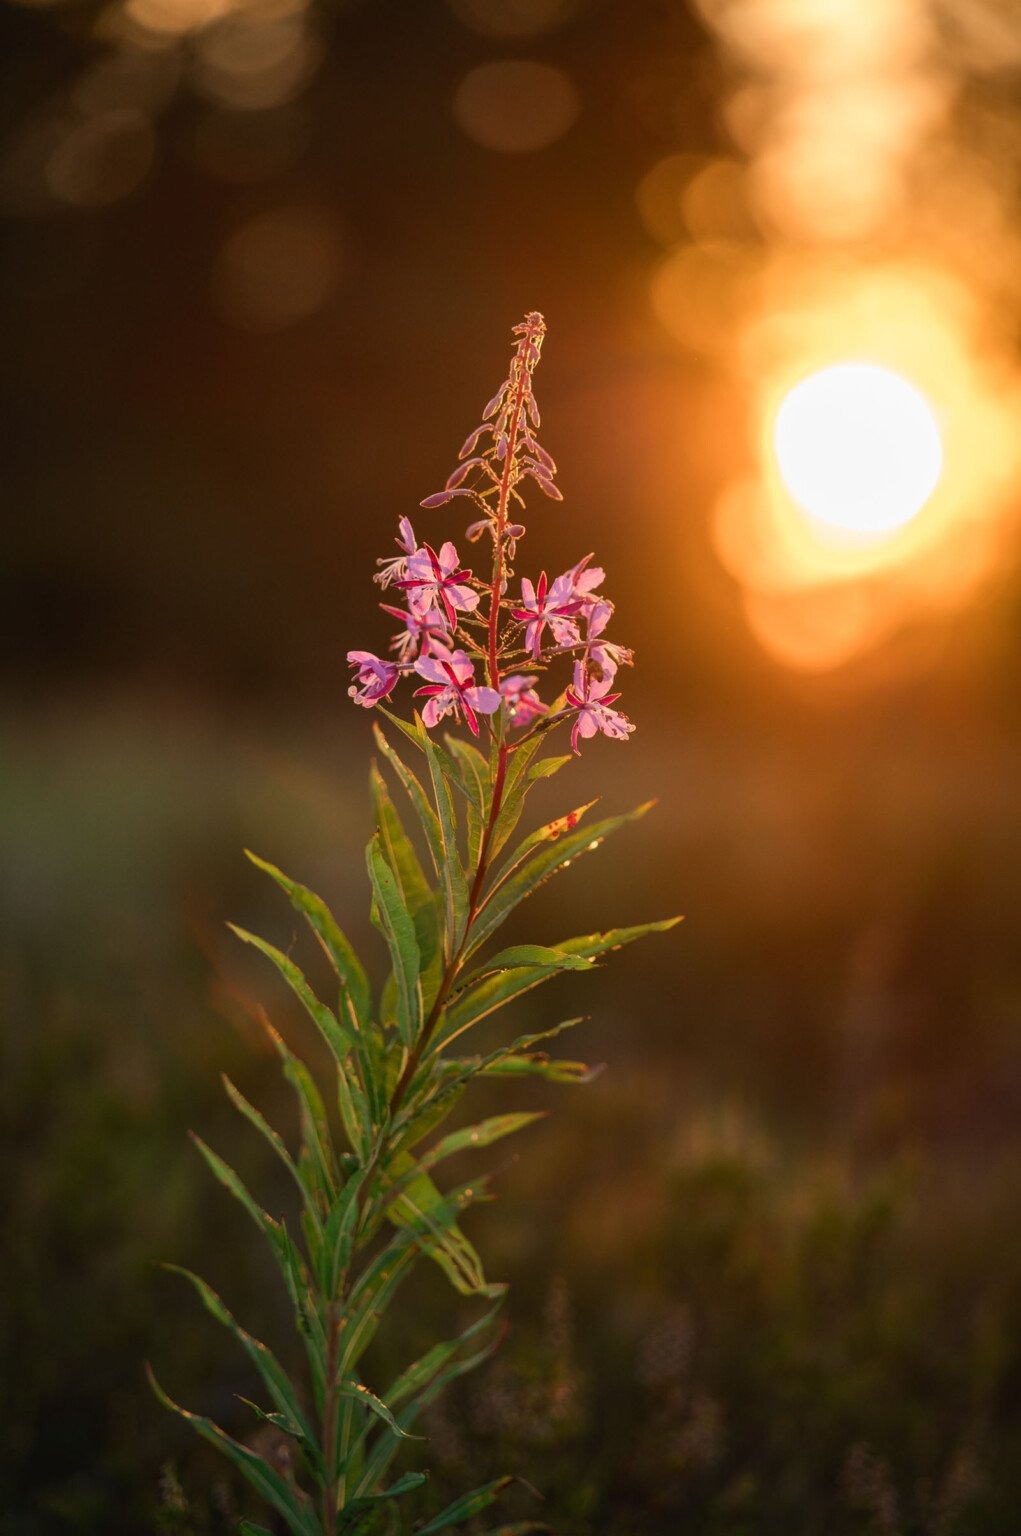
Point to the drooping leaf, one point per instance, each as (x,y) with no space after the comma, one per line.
(399,932)
(345,962)
(360,1393)
(293,1506)
(421,1206)
(339,1039)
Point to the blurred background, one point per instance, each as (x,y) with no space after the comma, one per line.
(260,263)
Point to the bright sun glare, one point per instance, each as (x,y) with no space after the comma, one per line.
(858,448)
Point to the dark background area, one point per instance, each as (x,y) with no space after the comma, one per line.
(767,1268)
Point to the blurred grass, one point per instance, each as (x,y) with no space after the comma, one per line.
(766,1270)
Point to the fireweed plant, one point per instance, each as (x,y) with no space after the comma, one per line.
(477,648)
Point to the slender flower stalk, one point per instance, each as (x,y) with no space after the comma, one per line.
(371,1206)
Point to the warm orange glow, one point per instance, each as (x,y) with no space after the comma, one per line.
(836,547)
(858,448)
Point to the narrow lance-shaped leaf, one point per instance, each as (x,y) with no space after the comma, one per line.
(315,1128)
(490,988)
(454,883)
(273,1375)
(348,967)
(513,887)
(339,1039)
(399,932)
(418,897)
(274,1139)
(465,1507)
(419,800)
(474,770)
(289,1502)
(425,743)
(355,1510)
(522,774)
(421,1206)
(423,1382)
(289,1262)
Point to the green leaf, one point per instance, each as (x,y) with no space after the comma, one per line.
(423,1381)
(418,897)
(416,794)
(293,1271)
(523,873)
(336,1036)
(481,1135)
(370,1296)
(359,1393)
(522,774)
(340,1234)
(421,1206)
(315,1128)
(322,922)
(289,1502)
(455,885)
(474,772)
(273,1375)
(399,932)
(465,1507)
(356,1509)
(594,944)
(265,1130)
(492,986)
(423,1373)
(540,1065)
(517,1060)
(355,1114)
(249,1528)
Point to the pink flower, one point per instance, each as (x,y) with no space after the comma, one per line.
(590,697)
(452,689)
(419,630)
(607,656)
(375,678)
(552,605)
(392,570)
(522,701)
(434,581)
(584,581)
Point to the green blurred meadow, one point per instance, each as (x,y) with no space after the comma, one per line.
(766,1268)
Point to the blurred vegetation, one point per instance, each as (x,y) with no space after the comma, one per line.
(752,1292)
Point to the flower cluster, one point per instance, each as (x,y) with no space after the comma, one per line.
(454,622)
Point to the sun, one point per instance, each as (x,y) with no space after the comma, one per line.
(858,448)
